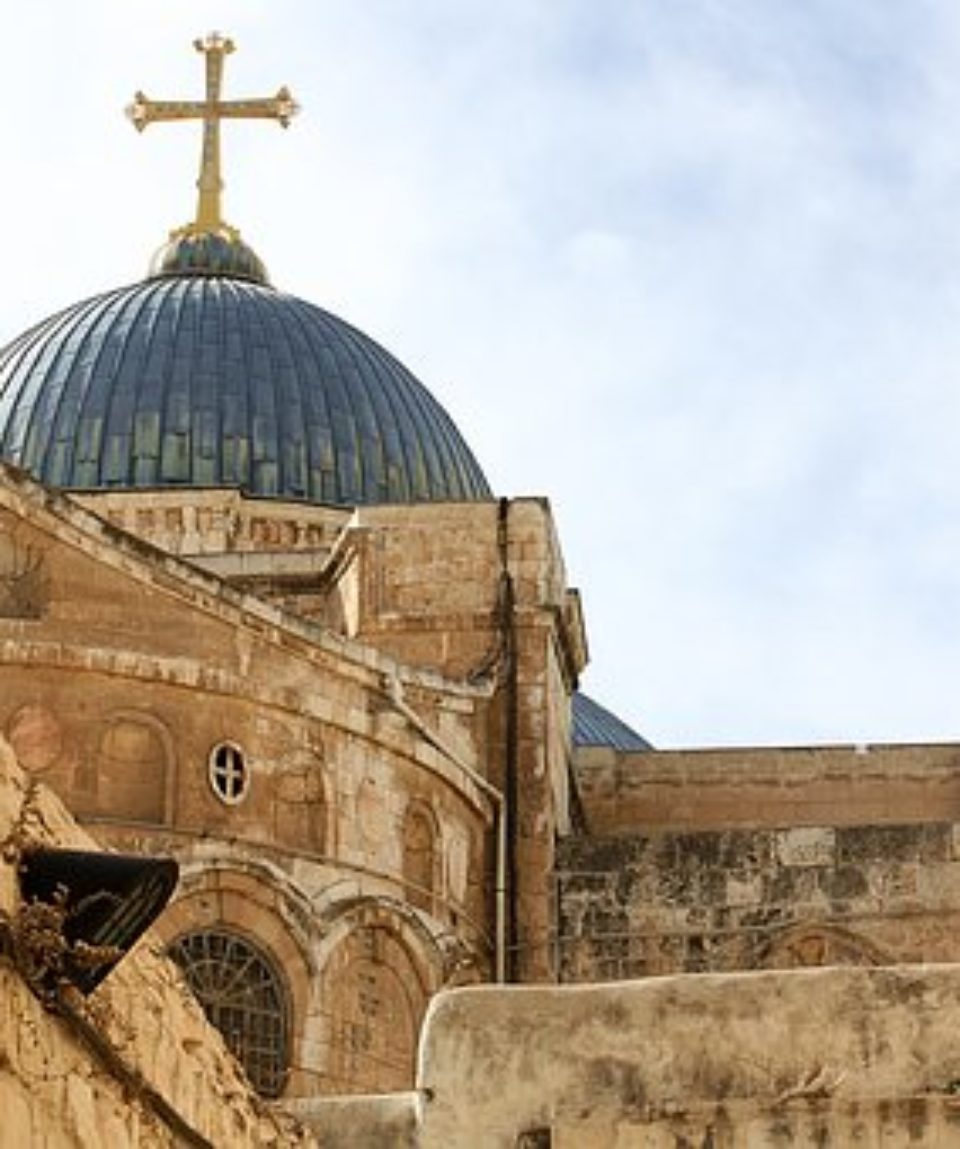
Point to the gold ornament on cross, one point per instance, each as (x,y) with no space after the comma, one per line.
(143,111)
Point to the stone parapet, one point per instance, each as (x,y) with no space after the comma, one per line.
(218,521)
(627,793)
(834,1057)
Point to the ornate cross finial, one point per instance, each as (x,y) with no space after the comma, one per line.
(212,110)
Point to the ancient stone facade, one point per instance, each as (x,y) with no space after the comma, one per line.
(352,729)
(318,714)
(753,859)
(841,1057)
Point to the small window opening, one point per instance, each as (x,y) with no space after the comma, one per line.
(228,773)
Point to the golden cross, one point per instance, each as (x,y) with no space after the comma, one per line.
(212,110)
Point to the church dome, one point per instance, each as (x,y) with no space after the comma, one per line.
(204,376)
(594,725)
(196,378)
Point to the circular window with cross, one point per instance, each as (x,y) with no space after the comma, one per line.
(228,773)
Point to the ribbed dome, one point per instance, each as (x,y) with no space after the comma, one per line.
(594,725)
(206,381)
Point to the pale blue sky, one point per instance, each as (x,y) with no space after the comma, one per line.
(691,269)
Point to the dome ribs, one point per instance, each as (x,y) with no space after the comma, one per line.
(167,301)
(217,381)
(17,436)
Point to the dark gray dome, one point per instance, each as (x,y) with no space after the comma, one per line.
(204,381)
(594,725)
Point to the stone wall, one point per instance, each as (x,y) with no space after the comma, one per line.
(737,899)
(53,1090)
(839,1058)
(693,790)
(728,860)
(472,595)
(477,592)
(354,854)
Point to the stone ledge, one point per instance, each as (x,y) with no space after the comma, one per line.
(375,1121)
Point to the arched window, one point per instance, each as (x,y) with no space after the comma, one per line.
(819,944)
(243,996)
(420,856)
(376,1003)
(132,767)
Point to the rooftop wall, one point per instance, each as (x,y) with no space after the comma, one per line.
(721,860)
(833,1057)
(623,793)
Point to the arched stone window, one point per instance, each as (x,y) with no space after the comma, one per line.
(420,856)
(375,1002)
(244,997)
(819,944)
(133,762)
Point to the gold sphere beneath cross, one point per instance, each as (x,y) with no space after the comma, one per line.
(221,252)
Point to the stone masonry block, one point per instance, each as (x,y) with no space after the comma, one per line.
(807,846)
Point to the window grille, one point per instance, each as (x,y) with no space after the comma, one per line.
(244,998)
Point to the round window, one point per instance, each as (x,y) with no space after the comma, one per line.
(228,773)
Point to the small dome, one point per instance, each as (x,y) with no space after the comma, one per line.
(206,380)
(594,725)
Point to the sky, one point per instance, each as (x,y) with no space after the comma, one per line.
(691,269)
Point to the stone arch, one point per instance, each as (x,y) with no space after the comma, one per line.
(250,901)
(134,774)
(820,944)
(375,985)
(421,855)
(244,994)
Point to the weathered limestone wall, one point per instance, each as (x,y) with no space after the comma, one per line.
(428,585)
(132,668)
(356,856)
(734,899)
(726,860)
(693,790)
(52,1091)
(430,579)
(828,1058)
(472,592)
(372,1121)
